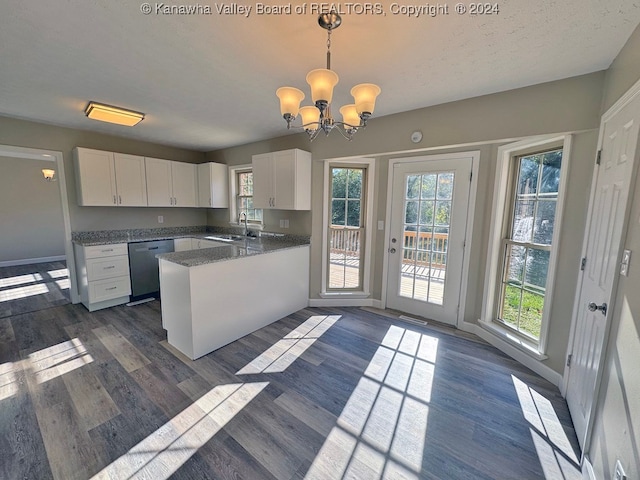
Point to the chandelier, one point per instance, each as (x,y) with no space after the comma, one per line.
(318,117)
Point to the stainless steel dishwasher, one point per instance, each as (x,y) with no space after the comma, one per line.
(143,267)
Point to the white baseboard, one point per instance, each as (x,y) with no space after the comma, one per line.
(515,353)
(29,261)
(344,302)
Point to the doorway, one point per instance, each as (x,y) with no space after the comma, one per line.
(608,219)
(429,214)
(56,161)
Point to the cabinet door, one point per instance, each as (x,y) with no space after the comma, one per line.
(182,244)
(95,178)
(158,174)
(131,183)
(263,180)
(285,180)
(185,185)
(213,185)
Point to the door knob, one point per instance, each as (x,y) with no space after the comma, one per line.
(593,307)
(392,250)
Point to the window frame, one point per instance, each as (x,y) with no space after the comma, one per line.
(502,210)
(366,211)
(233,197)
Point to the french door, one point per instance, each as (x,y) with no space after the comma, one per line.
(429,205)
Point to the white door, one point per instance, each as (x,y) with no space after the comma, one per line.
(608,214)
(427,232)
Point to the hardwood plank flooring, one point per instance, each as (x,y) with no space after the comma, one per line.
(33,287)
(103,394)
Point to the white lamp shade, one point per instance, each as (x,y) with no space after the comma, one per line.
(48,173)
(310,115)
(350,116)
(365,97)
(290,99)
(322,82)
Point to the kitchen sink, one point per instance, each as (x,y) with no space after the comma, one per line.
(224,237)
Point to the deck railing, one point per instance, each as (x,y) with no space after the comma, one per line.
(417,246)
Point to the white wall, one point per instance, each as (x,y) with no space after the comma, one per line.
(30,211)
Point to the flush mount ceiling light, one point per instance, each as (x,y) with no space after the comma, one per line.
(111,114)
(318,117)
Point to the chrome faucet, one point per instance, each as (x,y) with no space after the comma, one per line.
(246,228)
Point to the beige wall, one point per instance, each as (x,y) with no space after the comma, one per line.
(30,211)
(623,72)
(616,433)
(21,133)
(571,105)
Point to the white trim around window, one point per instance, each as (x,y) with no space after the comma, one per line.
(369,164)
(500,211)
(233,191)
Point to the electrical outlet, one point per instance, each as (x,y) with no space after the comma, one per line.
(619,472)
(160,219)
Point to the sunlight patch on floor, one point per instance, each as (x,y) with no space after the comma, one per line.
(23,292)
(557,457)
(59,359)
(20,280)
(283,353)
(8,380)
(163,452)
(382,429)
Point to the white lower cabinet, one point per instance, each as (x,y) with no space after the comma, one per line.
(103,275)
(182,244)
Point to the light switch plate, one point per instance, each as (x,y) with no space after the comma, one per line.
(626,257)
(160,219)
(380,224)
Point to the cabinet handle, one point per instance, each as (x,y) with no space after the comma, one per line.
(111,288)
(210,202)
(114,200)
(175,201)
(120,199)
(109,267)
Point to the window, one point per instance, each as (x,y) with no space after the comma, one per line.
(347,235)
(528,241)
(346,228)
(525,232)
(242,194)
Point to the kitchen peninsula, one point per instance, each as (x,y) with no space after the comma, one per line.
(214,296)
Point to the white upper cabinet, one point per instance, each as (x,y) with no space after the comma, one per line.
(109,179)
(213,185)
(171,184)
(282,180)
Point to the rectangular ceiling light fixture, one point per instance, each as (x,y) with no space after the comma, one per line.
(111,114)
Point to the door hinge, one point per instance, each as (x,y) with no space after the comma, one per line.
(599,157)
(470,175)
(583,263)
(569,357)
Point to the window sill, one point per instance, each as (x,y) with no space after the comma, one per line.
(529,348)
(344,295)
(250,226)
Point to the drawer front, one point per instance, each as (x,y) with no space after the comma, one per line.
(107,267)
(102,290)
(97,251)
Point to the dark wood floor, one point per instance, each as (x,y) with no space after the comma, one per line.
(321,394)
(28,288)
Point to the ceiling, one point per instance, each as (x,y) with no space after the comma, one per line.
(208,81)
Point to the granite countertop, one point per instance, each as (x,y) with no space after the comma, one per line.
(108,237)
(235,249)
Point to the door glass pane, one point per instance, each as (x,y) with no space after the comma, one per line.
(346,230)
(426,235)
